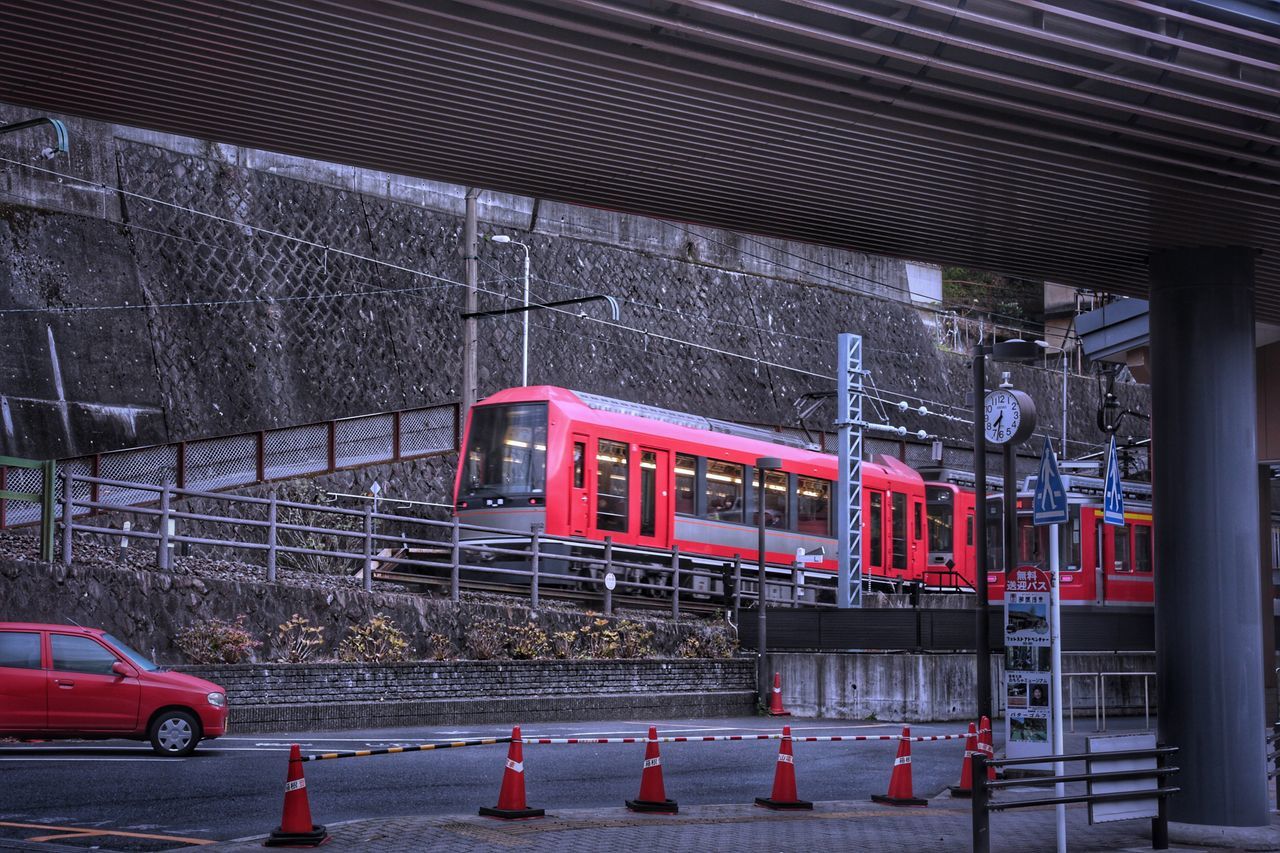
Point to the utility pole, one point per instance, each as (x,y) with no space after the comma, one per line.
(471,270)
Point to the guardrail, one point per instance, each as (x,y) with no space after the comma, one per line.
(244,459)
(1273,756)
(444,549)
(983,805)
(45,497)
(1100,696)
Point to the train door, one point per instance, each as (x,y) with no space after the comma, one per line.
(579,494)
(873,533)
(653,498)
(919,548)
(898,534)
(612,488)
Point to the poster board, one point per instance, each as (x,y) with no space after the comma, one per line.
(1027,662)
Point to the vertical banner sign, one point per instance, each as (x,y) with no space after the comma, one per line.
(1027,663)
(1112,497)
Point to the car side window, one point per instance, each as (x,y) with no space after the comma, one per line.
(19,650)
(80,654)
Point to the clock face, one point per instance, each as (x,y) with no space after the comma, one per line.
(1002,416)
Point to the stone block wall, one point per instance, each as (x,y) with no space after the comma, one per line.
(300,696)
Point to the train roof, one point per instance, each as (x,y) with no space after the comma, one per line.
(800,450)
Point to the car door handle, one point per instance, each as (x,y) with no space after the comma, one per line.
(61,683)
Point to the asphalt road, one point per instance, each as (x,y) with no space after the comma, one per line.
(233,787)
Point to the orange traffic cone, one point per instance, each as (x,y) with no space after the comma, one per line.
(653,796)
(986,746)
(965,788)
(900,782)
(511,802)
(296,828)
(775,701)
(784,780)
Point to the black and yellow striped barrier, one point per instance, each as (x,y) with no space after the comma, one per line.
(393,750)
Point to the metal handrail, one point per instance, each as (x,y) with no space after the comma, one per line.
(663,574)
(982,788)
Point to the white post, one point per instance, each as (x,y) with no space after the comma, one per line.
(524,369)
(1055,677)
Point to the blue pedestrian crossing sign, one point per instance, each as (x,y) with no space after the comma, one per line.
(1112,497)
(1050,503)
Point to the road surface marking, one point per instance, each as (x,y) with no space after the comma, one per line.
(72,832)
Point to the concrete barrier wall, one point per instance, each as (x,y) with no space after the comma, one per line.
(914,688)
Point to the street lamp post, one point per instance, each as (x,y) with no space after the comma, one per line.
(763,465)
(524,349)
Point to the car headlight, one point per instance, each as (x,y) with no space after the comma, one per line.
(218,700)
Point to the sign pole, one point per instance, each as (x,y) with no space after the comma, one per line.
(1055,677)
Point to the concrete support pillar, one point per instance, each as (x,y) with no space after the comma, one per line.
(1208,596)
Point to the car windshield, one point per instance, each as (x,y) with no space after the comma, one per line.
(507,450)
(139,660)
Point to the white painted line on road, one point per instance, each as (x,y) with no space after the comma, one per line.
(151,758)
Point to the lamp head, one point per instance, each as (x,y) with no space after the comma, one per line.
(500,238)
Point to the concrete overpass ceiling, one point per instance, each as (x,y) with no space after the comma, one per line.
(1058,139)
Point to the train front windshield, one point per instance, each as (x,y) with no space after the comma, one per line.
(506,452)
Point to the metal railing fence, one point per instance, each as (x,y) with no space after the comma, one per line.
(126,478)
(394,545)
(983,805)
(40,495)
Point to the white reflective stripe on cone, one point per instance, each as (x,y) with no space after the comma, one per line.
(652,762)
(294,785)
(517,766)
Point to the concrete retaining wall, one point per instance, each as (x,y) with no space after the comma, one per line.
(334,695)
(913,688)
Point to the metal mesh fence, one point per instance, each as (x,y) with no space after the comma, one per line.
(22,480)
(425,431)
(222,463)
(295,451)
(362,441)
(157,466)
(214,464)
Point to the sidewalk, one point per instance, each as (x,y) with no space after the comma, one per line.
(835,826)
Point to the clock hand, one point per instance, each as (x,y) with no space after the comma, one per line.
(999,419)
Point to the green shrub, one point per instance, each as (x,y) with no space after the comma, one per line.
(439,647)
(487,639)
(216,641)
(376,641)
(297,640)
(707,643)
(527,641)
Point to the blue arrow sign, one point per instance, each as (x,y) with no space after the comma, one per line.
(1112,497)
(1050,503)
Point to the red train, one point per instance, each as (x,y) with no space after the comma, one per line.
(586,467)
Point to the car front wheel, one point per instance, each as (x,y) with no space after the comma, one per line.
(175,733)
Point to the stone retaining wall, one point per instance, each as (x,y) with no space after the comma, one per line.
(335,695)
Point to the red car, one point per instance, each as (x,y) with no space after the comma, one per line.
(63,681)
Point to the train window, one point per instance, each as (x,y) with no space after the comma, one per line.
(648,492)
(775,497)
(1142,548)
(918,529)
(968,530)
(611,486)
(724,491)
(995,534)
(1121,550)
(579,464)
(877,529)
(941,512)
(686,484)
(507,450)
(814,505)
(898,503)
